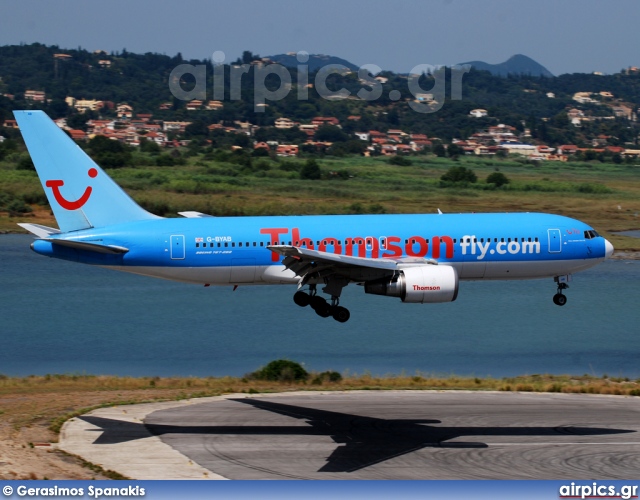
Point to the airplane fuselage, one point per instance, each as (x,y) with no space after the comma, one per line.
(230,250)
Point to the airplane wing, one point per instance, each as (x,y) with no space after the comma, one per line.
(306,263)
(194,215)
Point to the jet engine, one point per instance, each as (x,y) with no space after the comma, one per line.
(420,284)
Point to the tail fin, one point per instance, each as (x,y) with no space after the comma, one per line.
(80,193)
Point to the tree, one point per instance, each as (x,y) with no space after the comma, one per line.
(454,150)
(311,170)
(459,175)
(497,178)
(108,153)
(439,151)
(147,146)
(196,129)
(590,155)
(330,133)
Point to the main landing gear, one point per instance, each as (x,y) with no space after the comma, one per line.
(559,298)
(321,306)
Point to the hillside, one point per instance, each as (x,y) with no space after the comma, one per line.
(516,65)
(546,106)
(315,62)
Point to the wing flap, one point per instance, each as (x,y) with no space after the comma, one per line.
(296,256)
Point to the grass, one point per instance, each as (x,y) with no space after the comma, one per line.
(34,396)
(607,196)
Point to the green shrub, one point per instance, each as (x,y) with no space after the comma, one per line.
(325,377)
(311,170)
(18,206)
(591,188)
(25,163)
(459,175)
(281,370)
(497,178)
(164,160)
(401,161)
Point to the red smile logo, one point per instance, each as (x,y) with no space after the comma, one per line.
(64,203)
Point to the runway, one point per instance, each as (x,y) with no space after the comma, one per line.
(368,435)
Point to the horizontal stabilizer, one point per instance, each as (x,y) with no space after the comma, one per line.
(91,247)
(194,215)
(38,230)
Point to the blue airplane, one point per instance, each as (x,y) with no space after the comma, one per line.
(418,258)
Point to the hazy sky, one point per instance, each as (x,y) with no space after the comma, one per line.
(564,35)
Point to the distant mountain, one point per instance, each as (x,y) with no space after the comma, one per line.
(315,62)
(516,65)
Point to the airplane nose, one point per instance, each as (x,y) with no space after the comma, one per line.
(608,249)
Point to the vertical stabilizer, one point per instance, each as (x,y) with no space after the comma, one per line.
(80,193)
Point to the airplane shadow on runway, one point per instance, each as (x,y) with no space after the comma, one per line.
(366,440)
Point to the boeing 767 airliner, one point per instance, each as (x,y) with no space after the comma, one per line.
(418,258)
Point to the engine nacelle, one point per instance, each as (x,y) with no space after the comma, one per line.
(420,284)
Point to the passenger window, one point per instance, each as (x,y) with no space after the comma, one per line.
(240,244)
(369,243)
(197,245)
(262,243)
(226,244)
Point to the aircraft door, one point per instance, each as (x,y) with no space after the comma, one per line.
(177,248)
(555,240)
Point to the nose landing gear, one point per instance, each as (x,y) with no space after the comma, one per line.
(559,298)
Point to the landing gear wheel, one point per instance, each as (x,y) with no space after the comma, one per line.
(323,309)
(315,301)
(559,299)
(341,314)
(301,298)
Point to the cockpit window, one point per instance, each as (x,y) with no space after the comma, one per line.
(590,234)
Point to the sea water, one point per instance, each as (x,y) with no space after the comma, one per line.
(63,317)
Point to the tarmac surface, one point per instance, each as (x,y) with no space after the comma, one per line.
(366,435)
